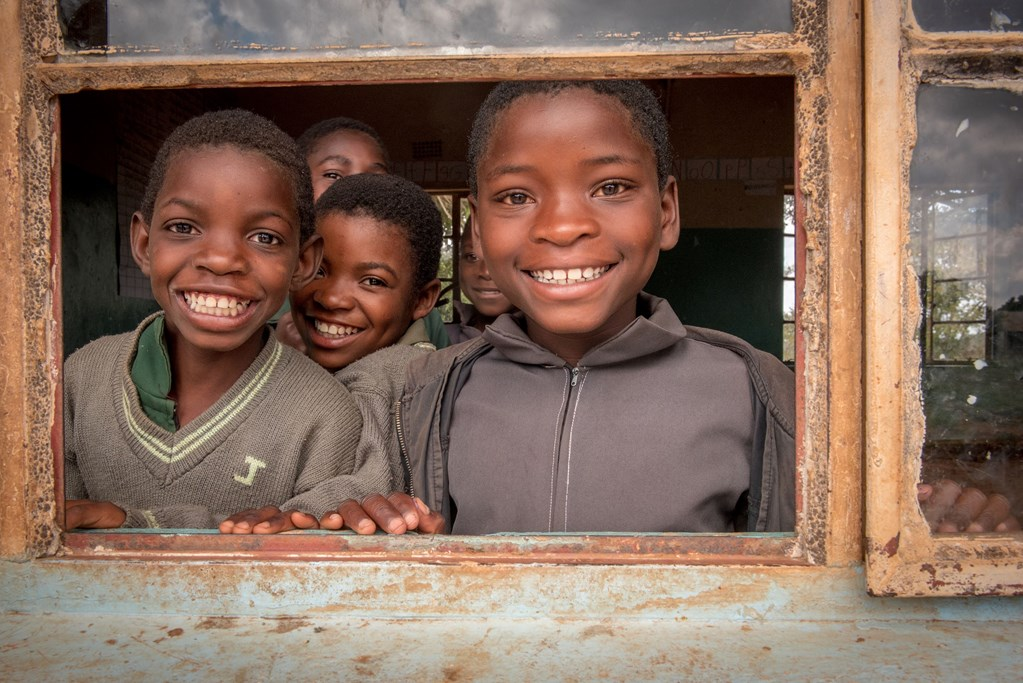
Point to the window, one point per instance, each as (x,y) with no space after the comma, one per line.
(943,379)
(788,283)
(953,244)
(758,55)
(454,211)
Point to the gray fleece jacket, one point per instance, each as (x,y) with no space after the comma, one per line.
(661,428)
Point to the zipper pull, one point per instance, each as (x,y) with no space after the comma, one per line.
(575,376)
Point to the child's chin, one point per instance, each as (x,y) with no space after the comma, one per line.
(330,359)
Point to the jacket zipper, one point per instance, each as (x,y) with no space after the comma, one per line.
(403,449)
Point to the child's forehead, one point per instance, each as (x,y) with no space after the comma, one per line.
(185,158)
(344,137)
(549,104)
(243,167)
(349,222)
(543,116)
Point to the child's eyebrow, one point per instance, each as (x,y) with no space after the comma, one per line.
(603,160)
(193,206)
(339,158)
(609,159)
(374,265)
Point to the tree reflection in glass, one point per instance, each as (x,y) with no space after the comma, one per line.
(967,248)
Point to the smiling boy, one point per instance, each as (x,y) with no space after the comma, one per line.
(200,412)
(594,408)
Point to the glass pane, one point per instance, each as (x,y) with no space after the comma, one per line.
(959,300)
(967,227)
(960,342)
(959,258)
(968,15)
(190,27)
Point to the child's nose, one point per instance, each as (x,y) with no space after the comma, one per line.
(562,220)
(334,295)
(221,254)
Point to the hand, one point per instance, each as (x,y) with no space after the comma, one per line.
(91,514)
(265,520)
(948,508)
(396,514)
(287,333)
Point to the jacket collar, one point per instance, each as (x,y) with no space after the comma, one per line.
(655,328)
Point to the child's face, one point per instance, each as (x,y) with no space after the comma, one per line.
(343,153)
(569,215)
(476,283)
(222,249)
(362,297)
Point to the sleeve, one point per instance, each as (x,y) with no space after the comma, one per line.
(171,517)
(74,484)
(339,464)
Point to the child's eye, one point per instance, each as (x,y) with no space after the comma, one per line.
(267,238)
(470,257)
(320,273)
(513,198)
(373,281)
(611,188)
(182,228)
(333,175)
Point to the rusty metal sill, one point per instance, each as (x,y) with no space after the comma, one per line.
(596,549)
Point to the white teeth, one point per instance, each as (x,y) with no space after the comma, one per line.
(211,304)
(568,277)
(332,330)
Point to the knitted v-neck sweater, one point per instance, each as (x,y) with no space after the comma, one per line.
(284,434)
(376,382)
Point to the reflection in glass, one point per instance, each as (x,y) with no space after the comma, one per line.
(232,26)
(966,227)
(969,15)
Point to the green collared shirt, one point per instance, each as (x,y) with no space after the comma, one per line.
(151,374)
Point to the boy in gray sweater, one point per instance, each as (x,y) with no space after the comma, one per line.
(362,316)
(200,412)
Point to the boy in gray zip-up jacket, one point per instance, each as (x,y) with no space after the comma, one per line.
(594,409)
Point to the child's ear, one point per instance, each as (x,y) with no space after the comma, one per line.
(474,222)
(140,242)
(309,256)
(669,214)
(426,299)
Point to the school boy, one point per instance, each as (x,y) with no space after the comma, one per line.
(337,148)
(200,412)
(362,316)
(486,300)
(594,408)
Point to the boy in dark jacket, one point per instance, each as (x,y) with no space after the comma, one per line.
(595,397)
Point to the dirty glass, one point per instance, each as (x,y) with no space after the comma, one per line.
(966,224)
(969,15)
(190,27)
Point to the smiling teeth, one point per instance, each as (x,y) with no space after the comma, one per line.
(332,330)
(571,276)
(212,304)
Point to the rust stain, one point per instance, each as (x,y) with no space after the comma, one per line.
(175,632)
(598,630)
(286,625)
(892,546)
(216,623)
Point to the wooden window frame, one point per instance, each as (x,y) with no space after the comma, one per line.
(903,557)
(822,55)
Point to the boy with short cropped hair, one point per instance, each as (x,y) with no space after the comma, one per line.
(362,316)
(486,300)
(200,412)
(337,148)
(594,408)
